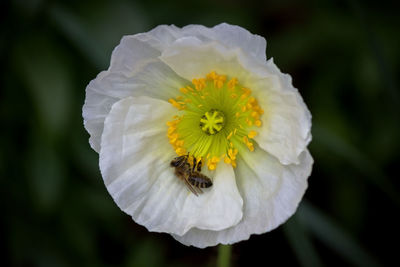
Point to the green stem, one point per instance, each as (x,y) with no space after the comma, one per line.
(224,255)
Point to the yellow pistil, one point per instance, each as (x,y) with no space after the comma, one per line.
(212,122)
(216,121)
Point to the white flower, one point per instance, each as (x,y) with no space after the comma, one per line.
(209,92)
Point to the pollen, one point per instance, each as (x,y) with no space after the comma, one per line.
(216,120)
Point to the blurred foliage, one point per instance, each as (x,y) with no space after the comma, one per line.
(343,56)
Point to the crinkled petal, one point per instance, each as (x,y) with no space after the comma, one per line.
(191,58)
(271,193)
(135,161)
(230,36)
(286,124)
(135,71)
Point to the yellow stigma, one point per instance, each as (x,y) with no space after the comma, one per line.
(212,122)
(216,121)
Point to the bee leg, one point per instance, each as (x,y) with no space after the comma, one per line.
(199,166)
(194,163)
(190,187)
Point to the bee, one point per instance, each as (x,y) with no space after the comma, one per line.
(193,179)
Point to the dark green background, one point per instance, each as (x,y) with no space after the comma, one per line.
(343,56)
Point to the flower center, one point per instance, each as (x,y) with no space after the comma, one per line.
(212,121)
(216,120)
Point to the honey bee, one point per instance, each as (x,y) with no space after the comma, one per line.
(194,180)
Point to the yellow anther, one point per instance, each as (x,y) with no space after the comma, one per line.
(237,114)
(246,91)
(232,153)
(171,123)
(179,97)
(188,100)
(208,156)
(252,134)
(260,111)
(179,143)
(184,90)
(199,84)
(171,129)
(215,159)
(249,106)
(244,109)
(219,81)
(232,83)
(173,138)
(231,144)
(227,160)
(203,97)
(254,114)
(252,100)
(245,139)
(229,136)
(190,88)
(212,167)
(190,160)
(257,123)
(175,104)
(234,131)
(180,151)
(250,146)
(212,75)
(233,164)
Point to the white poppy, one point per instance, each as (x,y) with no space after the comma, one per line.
(211,94)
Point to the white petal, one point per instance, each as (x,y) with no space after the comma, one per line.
(234,36)
(161,36)
(286,124)
(134,71)
(135,160)
(271,193)
(230,36)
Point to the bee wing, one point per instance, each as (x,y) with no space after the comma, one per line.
(199,190)
(190,187)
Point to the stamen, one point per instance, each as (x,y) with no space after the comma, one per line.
(219,133)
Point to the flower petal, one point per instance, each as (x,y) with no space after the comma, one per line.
(271,193)
(191,58)
(134,71)
(286,127)
(230,36)
(135,163)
